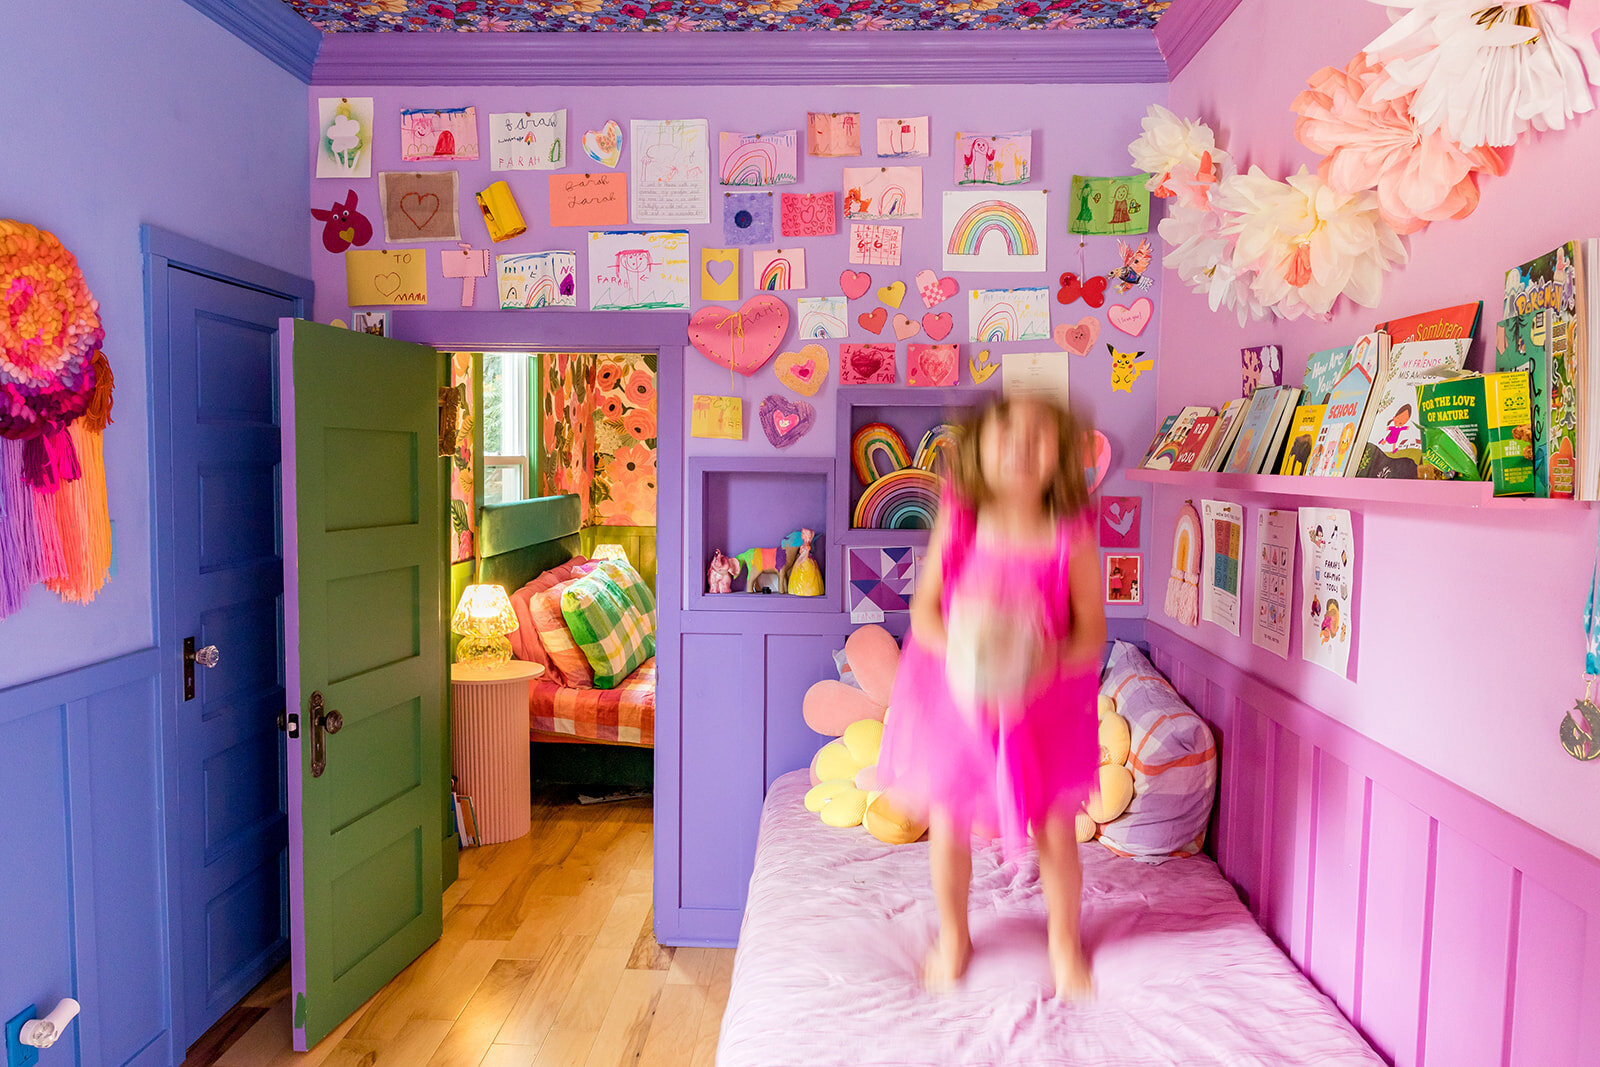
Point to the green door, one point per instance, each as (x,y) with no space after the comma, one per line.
(363,552)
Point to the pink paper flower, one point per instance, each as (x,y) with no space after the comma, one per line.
(1372,143)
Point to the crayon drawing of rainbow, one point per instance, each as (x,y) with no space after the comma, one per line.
(993,216)
(751,163)
(541,292)
(999,323)
(818,324)
(891,202)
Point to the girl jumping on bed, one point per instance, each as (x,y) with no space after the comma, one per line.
(995,695)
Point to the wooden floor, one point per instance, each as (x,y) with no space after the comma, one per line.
(547,958)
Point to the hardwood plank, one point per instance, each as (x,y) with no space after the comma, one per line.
(592,988)
(647,953)
(564,1048)
(621,926)
(492,1002)
(446,998)
(693,966)
(675,1030)
(628,1020)
(506,915)
(536,1010)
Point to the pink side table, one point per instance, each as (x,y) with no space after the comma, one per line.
(489,741)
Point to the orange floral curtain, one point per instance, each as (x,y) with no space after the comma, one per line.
(600,435)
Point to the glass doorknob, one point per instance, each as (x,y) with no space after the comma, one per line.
(207,656)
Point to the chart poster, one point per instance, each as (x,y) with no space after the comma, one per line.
(1327,588)
(1220,568)
(1275,541)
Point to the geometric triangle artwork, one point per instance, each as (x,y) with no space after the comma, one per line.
(882,577)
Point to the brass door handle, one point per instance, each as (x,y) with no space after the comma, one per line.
(322,723)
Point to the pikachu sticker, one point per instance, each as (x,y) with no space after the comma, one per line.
(1126,367)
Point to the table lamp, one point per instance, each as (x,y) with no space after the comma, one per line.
(605,552)
(483,618)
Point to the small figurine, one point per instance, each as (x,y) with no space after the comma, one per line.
(766,569)
(721,573)
(805,577)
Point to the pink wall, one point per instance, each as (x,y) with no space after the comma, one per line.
(1470,648)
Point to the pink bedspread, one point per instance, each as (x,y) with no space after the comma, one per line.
(837,924)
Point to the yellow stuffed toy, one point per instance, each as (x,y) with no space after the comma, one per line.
(1114,790)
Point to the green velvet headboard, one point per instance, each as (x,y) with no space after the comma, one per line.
(519,542)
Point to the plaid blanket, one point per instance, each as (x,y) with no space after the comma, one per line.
(625,715)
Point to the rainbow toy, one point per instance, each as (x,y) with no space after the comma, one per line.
(990,216)
(877,450)
(752,163)
(937,447)
(903,500)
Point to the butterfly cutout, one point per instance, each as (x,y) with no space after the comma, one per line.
(1091,292)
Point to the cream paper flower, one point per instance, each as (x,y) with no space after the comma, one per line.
(1202,256)
(1180,155)
(1485,72)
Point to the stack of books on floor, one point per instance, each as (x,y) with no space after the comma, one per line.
(1400,403)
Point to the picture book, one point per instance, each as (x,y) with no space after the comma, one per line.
(1393,445)
(1279,445)
(1323,369)
(1451,416)
(1506,441)
(1302,438)
(1193,445)
(1522,344)
(1477,428)
(1166,452)
(1160,436)
(1257,430)
(1445,324)
(1588,331)
(1341,424)
(1258,366)
(1221,441)
(1552,283)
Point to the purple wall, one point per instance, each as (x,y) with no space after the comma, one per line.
(1470,648)
(155,115)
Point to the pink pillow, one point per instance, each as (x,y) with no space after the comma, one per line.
(566,658)
(525,643)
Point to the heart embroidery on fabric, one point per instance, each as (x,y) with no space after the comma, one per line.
(905,327)
(855,283)
(804,371)
(604,145)
(1079,338)
(935,290)
(872,321)
(937,324)
(785,421)
(1091,292)
(1133,319)
(740,340)
(387,284)
(412,206)
(893,293)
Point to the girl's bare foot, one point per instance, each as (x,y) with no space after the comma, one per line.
(1070,967)
(946,963)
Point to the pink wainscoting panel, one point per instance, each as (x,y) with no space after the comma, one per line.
(1450,932)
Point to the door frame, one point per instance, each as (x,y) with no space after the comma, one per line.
(162,249)
(666,333)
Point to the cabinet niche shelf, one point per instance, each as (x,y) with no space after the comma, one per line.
(1422,493)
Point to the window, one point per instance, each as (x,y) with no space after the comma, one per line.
(507,426)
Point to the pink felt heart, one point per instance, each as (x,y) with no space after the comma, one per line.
(905,327)
(740,340)
(1132,319)
(1078,338)
(1102,461)
(937,324)
(855,283)
(934,289)
(872,321)
(785,421)
(804,371)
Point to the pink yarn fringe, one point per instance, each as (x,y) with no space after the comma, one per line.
(22,555)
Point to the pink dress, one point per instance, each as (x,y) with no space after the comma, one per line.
(1012,767)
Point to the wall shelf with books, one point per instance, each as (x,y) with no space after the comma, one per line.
(1404,492)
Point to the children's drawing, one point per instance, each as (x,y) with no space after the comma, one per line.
(419,206)
(538,280)
(343,225)
(809,214)
(994,231)
(746,218)
(345,148)
(883,193)
(604,145)
(903,138)
(639,271)
(717,416)
(758,158)
(779,269)
(671,170)
(932,364)
(1135,270)
(823,316)
(833,134)
(994,158)
(439,133)
(866,364)
(588,199)
(1110,205)
(528,140)
(385,276)
(719,274)
(1008,314)
(1126,368)
(880,245)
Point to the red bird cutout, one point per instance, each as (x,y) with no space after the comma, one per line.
(1091,292)
(345,225)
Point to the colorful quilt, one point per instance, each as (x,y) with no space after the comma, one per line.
(625,715)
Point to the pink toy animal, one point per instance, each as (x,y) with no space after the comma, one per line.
(721,573)
(345,225)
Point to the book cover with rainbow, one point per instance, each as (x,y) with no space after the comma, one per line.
(758,159)
(994,231)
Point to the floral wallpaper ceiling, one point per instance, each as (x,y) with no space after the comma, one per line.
(510,16)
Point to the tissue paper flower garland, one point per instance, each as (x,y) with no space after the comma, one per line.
(55,399)
(1485,72)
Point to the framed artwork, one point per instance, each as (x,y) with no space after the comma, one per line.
(1124,580)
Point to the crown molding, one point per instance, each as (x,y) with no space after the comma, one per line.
(902,57)
(1187,26)
(271,27)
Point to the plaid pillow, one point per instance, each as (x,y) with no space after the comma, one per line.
(613,634)
(570,665)
(633,586)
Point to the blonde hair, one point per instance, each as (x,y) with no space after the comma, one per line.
(1067,493)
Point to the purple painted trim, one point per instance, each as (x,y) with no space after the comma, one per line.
(1337,844)
(271,27)
(670,429)
(1420,493)
(556,331)
(1186,27)
(918,57)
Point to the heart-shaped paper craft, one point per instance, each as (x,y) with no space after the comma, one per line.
(855,283)
(804,371)
(604,145)
(785,421)
(937,324)
(892,293)
(740,340)
(872,321)
(982,370)
(934,289)
(1102,461)
(1078,338)
(420,208)
(1091,292)
(905,326)
(1132,319)
(719,269)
